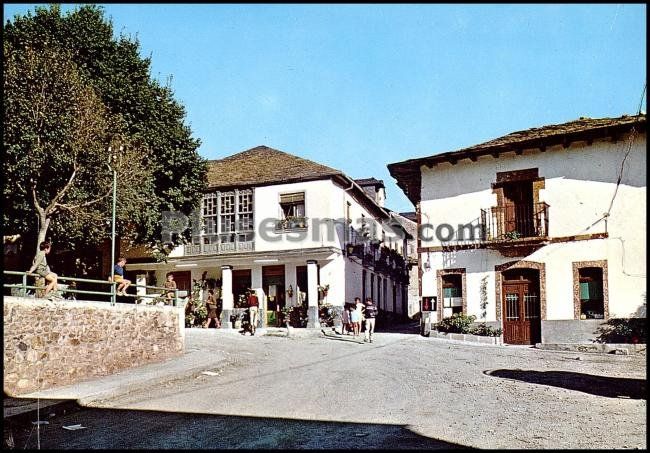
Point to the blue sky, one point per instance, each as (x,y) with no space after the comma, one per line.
(357,87)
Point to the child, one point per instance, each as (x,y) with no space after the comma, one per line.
(171,285)
(345,320)
(355,317)
(118,276)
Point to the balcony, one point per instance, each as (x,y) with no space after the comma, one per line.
(515,226)
(223,246)
(291,223)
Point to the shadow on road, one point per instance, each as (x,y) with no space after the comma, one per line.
(125,429)
(412,327)
(611,387)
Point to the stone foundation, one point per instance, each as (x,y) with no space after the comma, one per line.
(466,337)
(56,343)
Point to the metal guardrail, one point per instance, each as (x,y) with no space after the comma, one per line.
(24,287)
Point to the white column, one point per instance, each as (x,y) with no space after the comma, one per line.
(312,294)
(227,299)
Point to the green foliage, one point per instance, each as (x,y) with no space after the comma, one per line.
(457,323)
(485,330)
(71,90)
(618,330)
(196,313)
(297,315)
(328,313)
(484,297)
(510,235)
(462,323)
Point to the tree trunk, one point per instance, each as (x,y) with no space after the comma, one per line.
(44,223)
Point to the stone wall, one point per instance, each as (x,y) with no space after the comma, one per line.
(52,343)
(583,331)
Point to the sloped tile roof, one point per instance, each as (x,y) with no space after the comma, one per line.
(263,165)
(407,173)
(370,182)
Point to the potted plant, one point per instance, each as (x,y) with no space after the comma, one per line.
(286,315)
(324,290)
(511,235)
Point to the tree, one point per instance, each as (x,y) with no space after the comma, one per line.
(56,149)
(138,112)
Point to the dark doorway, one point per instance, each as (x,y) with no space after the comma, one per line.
(273,283)
(241,281)
(521,306)
(301,281)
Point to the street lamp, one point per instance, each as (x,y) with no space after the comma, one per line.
(112,159)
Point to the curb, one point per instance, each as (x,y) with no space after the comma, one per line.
(95,398)
(45,411)
(602,348)
(134,383)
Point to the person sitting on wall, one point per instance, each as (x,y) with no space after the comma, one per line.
(43,270)
(118,276)
(170,284)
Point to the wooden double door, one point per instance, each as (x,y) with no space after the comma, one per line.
(521,307)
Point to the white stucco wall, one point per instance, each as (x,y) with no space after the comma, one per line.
(579,185)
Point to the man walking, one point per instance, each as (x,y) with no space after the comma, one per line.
(253,309)
(371,314)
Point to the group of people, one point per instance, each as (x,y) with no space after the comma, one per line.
(354,314)
(357,313)
(42,269)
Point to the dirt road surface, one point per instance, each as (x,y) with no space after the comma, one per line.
(401,391)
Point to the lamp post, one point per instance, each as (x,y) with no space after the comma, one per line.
(112,158)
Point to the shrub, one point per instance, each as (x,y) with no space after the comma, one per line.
(616,330)
(328,313)
(461,323)
(457,323)
(486,331)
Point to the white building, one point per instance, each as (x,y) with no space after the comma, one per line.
(285,226)
(559,221)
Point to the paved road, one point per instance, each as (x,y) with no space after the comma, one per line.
(402,391)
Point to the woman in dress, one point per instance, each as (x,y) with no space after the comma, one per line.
(211,305)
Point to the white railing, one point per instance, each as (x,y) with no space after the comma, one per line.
(218,248)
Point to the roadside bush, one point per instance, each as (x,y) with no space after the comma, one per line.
(617,330)
(461,323)
(457,323)
(328,314)
(486,331)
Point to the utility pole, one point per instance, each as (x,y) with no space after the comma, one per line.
(112,160)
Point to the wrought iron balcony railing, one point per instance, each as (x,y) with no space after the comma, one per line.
(515,221)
